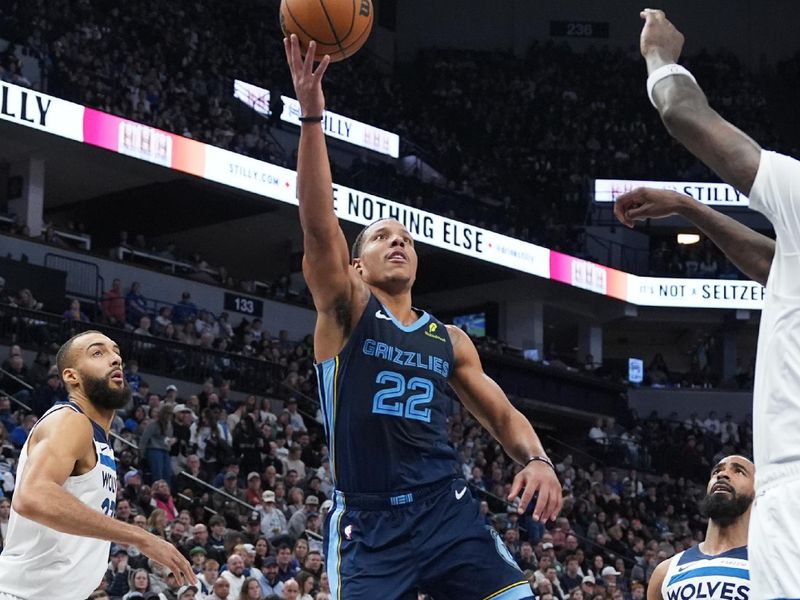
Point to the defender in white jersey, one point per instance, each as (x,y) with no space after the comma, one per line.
(772,182)
(716,569)
(61,522)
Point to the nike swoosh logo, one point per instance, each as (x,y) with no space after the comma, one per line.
(460,495)
(103,448)
(379,315)
(683,568)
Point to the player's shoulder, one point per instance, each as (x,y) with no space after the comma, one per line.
(63,421)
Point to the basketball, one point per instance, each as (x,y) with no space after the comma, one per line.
(339,27)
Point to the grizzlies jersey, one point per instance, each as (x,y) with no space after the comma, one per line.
(384,403)
(694,575)
(39,562)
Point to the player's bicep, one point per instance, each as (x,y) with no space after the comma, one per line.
(478,392)
(326,267)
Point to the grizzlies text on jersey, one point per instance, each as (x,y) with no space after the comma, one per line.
(384,402)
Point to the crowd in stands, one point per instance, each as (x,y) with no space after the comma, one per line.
(524,172)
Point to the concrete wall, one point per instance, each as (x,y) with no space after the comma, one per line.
(296,320)
(686,402)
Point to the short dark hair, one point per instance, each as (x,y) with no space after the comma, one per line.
(64,355)
(355,249)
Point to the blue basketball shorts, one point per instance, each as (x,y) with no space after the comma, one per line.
(432,538)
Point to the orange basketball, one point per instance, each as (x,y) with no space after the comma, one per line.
(339,27)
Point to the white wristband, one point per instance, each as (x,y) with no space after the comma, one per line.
(663,72)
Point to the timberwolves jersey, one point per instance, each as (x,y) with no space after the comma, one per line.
(384,403)
(693,575)
(39,562)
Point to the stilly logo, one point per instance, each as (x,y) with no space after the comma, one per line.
(24,105)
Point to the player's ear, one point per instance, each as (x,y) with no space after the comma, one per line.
(357,265)
(70,376)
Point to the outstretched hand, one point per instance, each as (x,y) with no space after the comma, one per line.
(307,81)
(647,203)
(659,37)
(539,477)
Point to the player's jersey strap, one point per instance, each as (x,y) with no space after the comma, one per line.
(693,575)
(385,402)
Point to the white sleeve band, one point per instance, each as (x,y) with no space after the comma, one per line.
(661,73)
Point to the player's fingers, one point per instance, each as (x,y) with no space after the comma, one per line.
(296,61)
(554,504)
(638,213)
(323,66)
(541,500)
(308,65)
(516,486)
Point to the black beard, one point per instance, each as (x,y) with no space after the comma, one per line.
(101,394)
(724,510)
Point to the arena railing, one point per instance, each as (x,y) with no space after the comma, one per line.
(214,490)
(159,356)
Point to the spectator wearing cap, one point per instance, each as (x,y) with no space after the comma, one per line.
(182,432)
(588,586)
(186,592)
(197,556)
(297,524)
(273,521)
(235,574)
(253,492)
(222,502)
(118,572)
(271,584)
(132,482)
(185,310)
(609,575)
(252,528)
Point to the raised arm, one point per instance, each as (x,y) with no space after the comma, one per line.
(684,109)
(56,446)
(326,259)
(751,252)
(481,395)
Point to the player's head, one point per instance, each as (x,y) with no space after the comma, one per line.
(90,364)
(384,255)
(730,491)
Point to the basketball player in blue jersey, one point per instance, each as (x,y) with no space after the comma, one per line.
(401,520)
(717,568)
(62,515)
